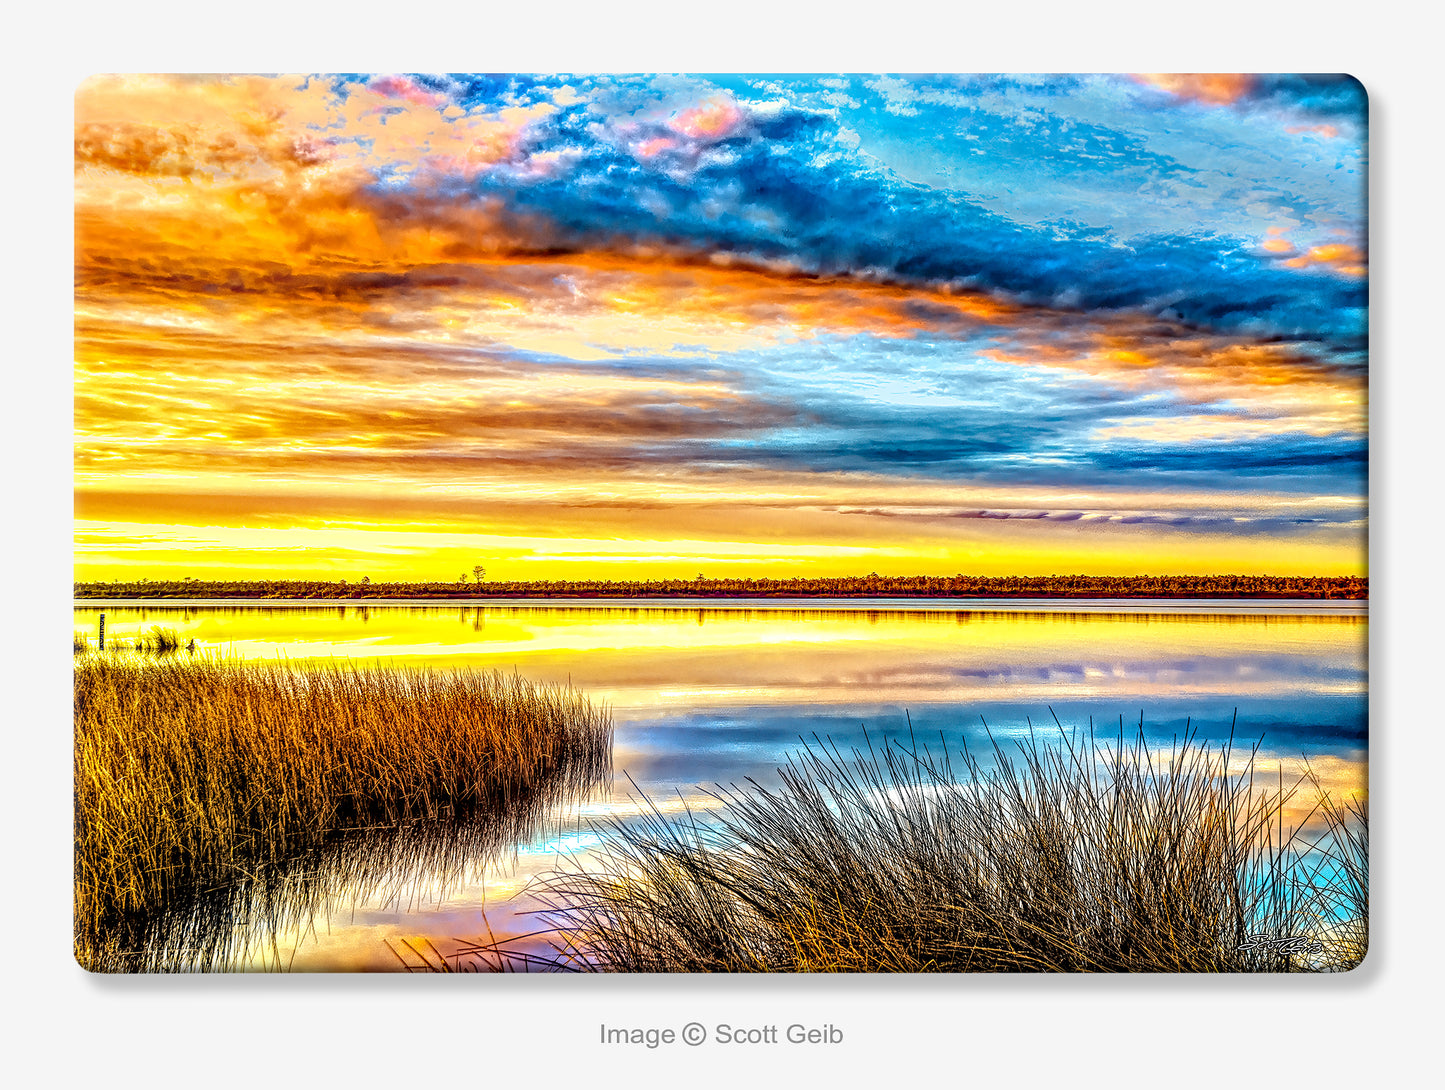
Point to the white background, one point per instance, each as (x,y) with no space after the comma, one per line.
(66,1027)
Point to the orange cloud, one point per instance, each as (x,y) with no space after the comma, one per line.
(286,165)
(1213,88)
(1339,257)
(1328,131)
(257,203)
(1346,259)
(1274,384)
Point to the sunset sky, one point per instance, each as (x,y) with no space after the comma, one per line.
(632,326)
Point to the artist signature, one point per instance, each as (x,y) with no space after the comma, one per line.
(1285,944)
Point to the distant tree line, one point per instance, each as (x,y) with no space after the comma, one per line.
(865,586)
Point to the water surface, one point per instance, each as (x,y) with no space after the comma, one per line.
(709,693)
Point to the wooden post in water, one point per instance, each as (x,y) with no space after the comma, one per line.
(102,631)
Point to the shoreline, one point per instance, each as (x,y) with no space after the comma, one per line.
(1301,606)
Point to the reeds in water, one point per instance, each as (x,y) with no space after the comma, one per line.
(1333,871)
(157,641)
(196,775)
(1060,858)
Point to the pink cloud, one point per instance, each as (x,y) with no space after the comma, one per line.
(646,149)
(675,137)
(404,87)
(715,119)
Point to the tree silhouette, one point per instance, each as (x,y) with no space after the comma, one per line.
(856,586)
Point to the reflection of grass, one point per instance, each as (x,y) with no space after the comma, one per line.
(241,923)
(193,774)
(490,956)
(1066,858)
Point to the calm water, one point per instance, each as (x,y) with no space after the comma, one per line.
(705,695)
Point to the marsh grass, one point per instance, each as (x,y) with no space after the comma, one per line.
(207,787)
(158,641)
(1067,857)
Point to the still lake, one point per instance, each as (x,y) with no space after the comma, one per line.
(714,693)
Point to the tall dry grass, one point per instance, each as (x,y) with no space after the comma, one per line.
(191,774)
(1059,858)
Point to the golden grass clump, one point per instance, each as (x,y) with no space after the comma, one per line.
(191,773)
(158,641)
(1064,858)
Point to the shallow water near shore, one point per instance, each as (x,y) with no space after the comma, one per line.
(720,693)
